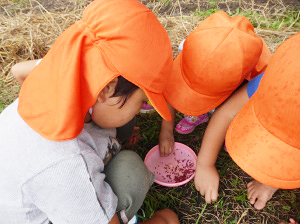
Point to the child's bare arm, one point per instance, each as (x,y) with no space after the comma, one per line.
(22,69)
(207,177)
(166,136)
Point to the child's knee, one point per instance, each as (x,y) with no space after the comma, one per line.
(129,162)
(129,179)
(128,167)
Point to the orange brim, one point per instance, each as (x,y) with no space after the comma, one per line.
(259,153)
(184,99)
(160,104)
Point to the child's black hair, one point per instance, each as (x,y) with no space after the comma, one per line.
(125,89)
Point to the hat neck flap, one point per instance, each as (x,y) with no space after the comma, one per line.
(57,94)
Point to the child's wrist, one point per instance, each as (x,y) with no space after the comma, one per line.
(167,129)
(168,124)
(204,162)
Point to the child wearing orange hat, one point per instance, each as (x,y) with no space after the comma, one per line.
(263,138)
(188,123)
(53,151)
(126,134)
(217,57)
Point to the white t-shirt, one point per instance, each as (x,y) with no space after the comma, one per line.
(44,180)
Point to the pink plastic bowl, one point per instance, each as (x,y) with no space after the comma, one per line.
(174,170)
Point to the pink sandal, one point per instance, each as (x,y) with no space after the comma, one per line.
(189,123)
(147,108)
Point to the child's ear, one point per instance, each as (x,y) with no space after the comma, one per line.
(108,90)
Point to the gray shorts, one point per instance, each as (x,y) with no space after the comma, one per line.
(130,180)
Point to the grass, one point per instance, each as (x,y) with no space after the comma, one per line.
(7,94)
(28,28)
(277,22)
(232,205)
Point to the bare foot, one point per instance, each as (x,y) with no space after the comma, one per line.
(259,194)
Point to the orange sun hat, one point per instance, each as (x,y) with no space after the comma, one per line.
(216,58)
(263,139)
(114,37)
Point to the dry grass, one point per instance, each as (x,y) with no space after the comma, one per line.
(26,36)
(28,28)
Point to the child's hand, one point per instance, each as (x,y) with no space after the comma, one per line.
(207,182)
(166,143)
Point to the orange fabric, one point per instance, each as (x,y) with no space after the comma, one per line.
(114,37)
(263,139)
(262,63)
(217,56)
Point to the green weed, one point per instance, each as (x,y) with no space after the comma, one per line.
(205,14)
(242,198)
(167,2)
(201,213)
(271,207)
(235,182)
(274,21)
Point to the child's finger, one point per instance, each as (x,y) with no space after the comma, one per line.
(162,151)
(165,150)
(169,150)
(208,196)
(202,191)
(214,195)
